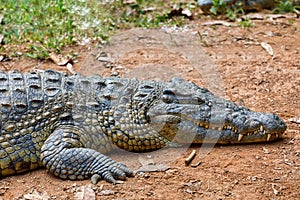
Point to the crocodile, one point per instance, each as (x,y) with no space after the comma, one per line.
(68,123)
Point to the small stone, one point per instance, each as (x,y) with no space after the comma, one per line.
(71,69)
(189,191)
(119,182)
(150,193)
(114,73)
(186,12)
(119,67)
(265,150)
(147,175)
(105,59)
(106,192)
(85,193)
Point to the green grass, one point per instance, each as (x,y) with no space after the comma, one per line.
(231,12)
(286,6)
(49,25)
(45,26)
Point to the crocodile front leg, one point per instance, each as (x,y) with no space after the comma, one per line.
(65,156)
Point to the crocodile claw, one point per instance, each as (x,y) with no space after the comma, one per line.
(115,172)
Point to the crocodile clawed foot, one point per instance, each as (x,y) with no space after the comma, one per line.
(115,172)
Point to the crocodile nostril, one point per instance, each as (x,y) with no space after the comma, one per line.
(254,124)
(275,116)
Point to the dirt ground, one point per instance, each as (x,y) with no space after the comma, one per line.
(228,60)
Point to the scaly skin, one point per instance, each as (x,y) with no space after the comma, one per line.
(66,123)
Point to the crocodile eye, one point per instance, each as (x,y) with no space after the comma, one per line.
(168,96)
(198,100)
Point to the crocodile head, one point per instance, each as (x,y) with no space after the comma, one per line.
(180,107)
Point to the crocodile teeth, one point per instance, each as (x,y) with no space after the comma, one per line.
(240,137)
(261,128)
(269,137)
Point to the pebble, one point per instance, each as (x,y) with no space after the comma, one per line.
(106,59)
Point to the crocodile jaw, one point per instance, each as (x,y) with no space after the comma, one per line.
(214,120)
(257,127)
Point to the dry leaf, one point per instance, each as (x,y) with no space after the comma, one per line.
(187,12)
(85,193)
(295,120)
(267,47)
(59,59)
(180,12)
(106,192)
(126,2)
(260,16)
(218,22)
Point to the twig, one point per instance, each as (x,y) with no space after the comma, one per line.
(197,164)
(190,158)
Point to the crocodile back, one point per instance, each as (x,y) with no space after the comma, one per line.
(26,108)
(104,112)
(34,104)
